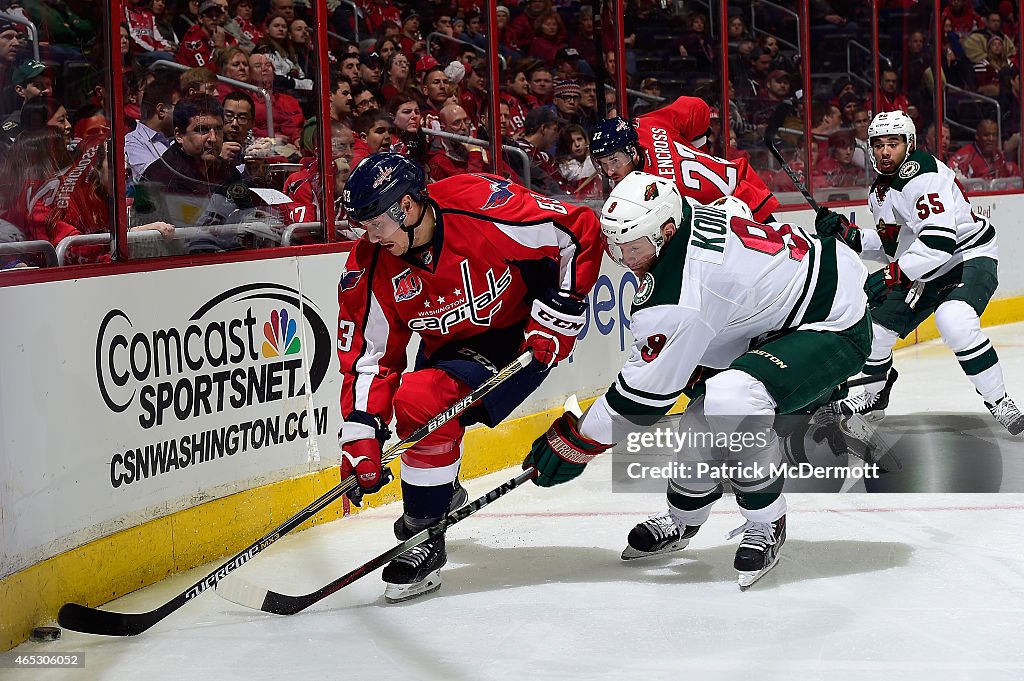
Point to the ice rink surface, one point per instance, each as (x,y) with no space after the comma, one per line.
(885,586)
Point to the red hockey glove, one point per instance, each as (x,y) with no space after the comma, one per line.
(562,453)
(884,281)
(554,323)
(829,223)
(361,438)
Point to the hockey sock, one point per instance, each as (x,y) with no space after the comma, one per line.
(961,331)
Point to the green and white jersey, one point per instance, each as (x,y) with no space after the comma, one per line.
(721,282)
(937,228)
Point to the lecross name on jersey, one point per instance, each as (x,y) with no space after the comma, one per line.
(471,307)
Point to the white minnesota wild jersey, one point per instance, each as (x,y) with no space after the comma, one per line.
(937,230)
(721,282)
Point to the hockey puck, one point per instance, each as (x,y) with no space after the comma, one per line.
(45,634)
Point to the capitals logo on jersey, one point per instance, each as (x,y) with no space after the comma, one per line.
(407,286)
(500,195)
(350,279)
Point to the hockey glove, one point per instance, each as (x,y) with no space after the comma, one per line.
(554,323)
(361,437)
(829,223)
(881,283)
(562,453)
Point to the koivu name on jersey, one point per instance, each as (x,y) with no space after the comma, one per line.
(707,235)
(471,307)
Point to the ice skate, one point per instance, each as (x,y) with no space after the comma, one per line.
(759,549)
(656,536)
(1007,413)
(415,572)
(871,403)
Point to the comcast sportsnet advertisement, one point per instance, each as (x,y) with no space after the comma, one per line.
(239,365)
(131,396)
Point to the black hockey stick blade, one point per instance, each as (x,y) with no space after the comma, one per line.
(252,596)
(90,620)
(785,108)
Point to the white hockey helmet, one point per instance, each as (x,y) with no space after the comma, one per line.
(892,123)
(733,206)
(637,208)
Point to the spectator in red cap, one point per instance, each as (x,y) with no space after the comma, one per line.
(424,64)
(837,169)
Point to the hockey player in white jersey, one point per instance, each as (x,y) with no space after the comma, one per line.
(781,313)
(941,258)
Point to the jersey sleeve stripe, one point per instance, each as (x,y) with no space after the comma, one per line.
(625,388)
(826,284)
(939,243)
(939,230)
(811,271)
(628,407)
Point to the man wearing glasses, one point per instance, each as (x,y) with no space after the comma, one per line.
(204,38)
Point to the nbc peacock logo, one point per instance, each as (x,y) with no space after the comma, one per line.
(280,336)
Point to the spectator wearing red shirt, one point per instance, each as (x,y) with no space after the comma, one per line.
(201,40)
(397,76)
(837,169)
(542,85)
(453,157)
(377,13)
(549,37)
(889,99)
(288,117)
(983,158)
(521,30)
(410,40)
(372,131)
(962,17)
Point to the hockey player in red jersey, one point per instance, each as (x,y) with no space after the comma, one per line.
(667,142)
(482,269)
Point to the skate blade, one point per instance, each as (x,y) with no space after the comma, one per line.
(747,579)
(396,593)
(629,553)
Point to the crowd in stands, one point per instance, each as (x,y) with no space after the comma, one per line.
(199,75)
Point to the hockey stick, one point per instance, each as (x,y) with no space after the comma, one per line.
(251,596)
(784,108)
(107,623)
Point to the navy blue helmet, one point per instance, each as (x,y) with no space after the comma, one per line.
(614,134)
(379,182)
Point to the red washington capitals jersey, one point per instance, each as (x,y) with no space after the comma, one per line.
(491,240)
(665,136)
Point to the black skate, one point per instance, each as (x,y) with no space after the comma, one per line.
(415,572)
(1007,413)
(656,536)
(459,499)
(759,549)
(870,403)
